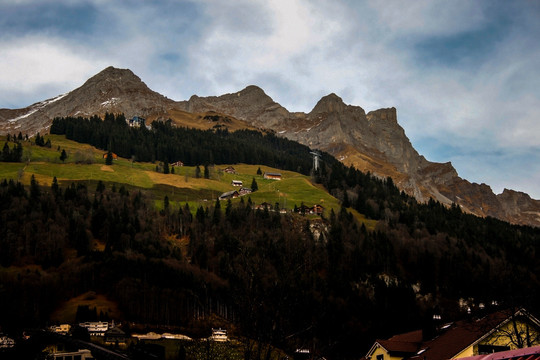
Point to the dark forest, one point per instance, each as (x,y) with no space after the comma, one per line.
(266,273)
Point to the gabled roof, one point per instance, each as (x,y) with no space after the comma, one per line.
(449,341)
(405,344)
(399,347)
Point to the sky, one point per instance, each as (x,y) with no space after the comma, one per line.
(463,75)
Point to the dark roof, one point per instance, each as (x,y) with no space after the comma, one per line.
(450,340)
(114,331)
(411,336)
(228,193)
(399,347)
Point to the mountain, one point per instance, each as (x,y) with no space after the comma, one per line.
(112,90)
(373,142)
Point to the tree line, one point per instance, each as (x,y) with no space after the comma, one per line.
(167,143)
(270,275)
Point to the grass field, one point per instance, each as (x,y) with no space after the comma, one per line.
(86,164)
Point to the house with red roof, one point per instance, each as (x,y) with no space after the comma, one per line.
(499,331)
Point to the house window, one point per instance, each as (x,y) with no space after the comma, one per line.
(489,349)
(380,357)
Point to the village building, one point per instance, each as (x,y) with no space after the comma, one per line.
(95,328)
(500,331)
(115,336)
(263,206)
(302,209)
(236,183)
(219,335)
(272,176)
(148,336)
(229,195)
(244,191)
(316,209)
(312,210)
(177,163)
(136,122)
(61,329)
(229,170)
(176,337)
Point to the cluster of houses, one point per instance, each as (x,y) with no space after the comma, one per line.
(233,194)
(111,335)
(312,210)
(6,342)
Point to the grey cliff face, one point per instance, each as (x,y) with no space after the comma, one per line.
(372,142)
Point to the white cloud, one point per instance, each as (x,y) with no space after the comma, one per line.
(34,63)
(427,17)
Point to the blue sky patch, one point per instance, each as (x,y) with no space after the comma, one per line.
(63,19)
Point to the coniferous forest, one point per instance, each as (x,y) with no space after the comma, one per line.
(269,274)
(167,143)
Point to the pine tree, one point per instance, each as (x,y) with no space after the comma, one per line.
(206,172)
(259,172)
(17,152)
(6,154)
(166,203)
(100,186)
(34,188)
(54,186)
(197,172)
(63,155)
(217,212)
(254,186)
(165,167)
(109,159)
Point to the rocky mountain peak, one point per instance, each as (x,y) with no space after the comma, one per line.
(329,103)
(254,95)
(112,90)
(388,115)
(113,78)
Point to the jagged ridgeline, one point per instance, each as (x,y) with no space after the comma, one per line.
(168,143)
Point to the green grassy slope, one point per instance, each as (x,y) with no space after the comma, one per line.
(86,164)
